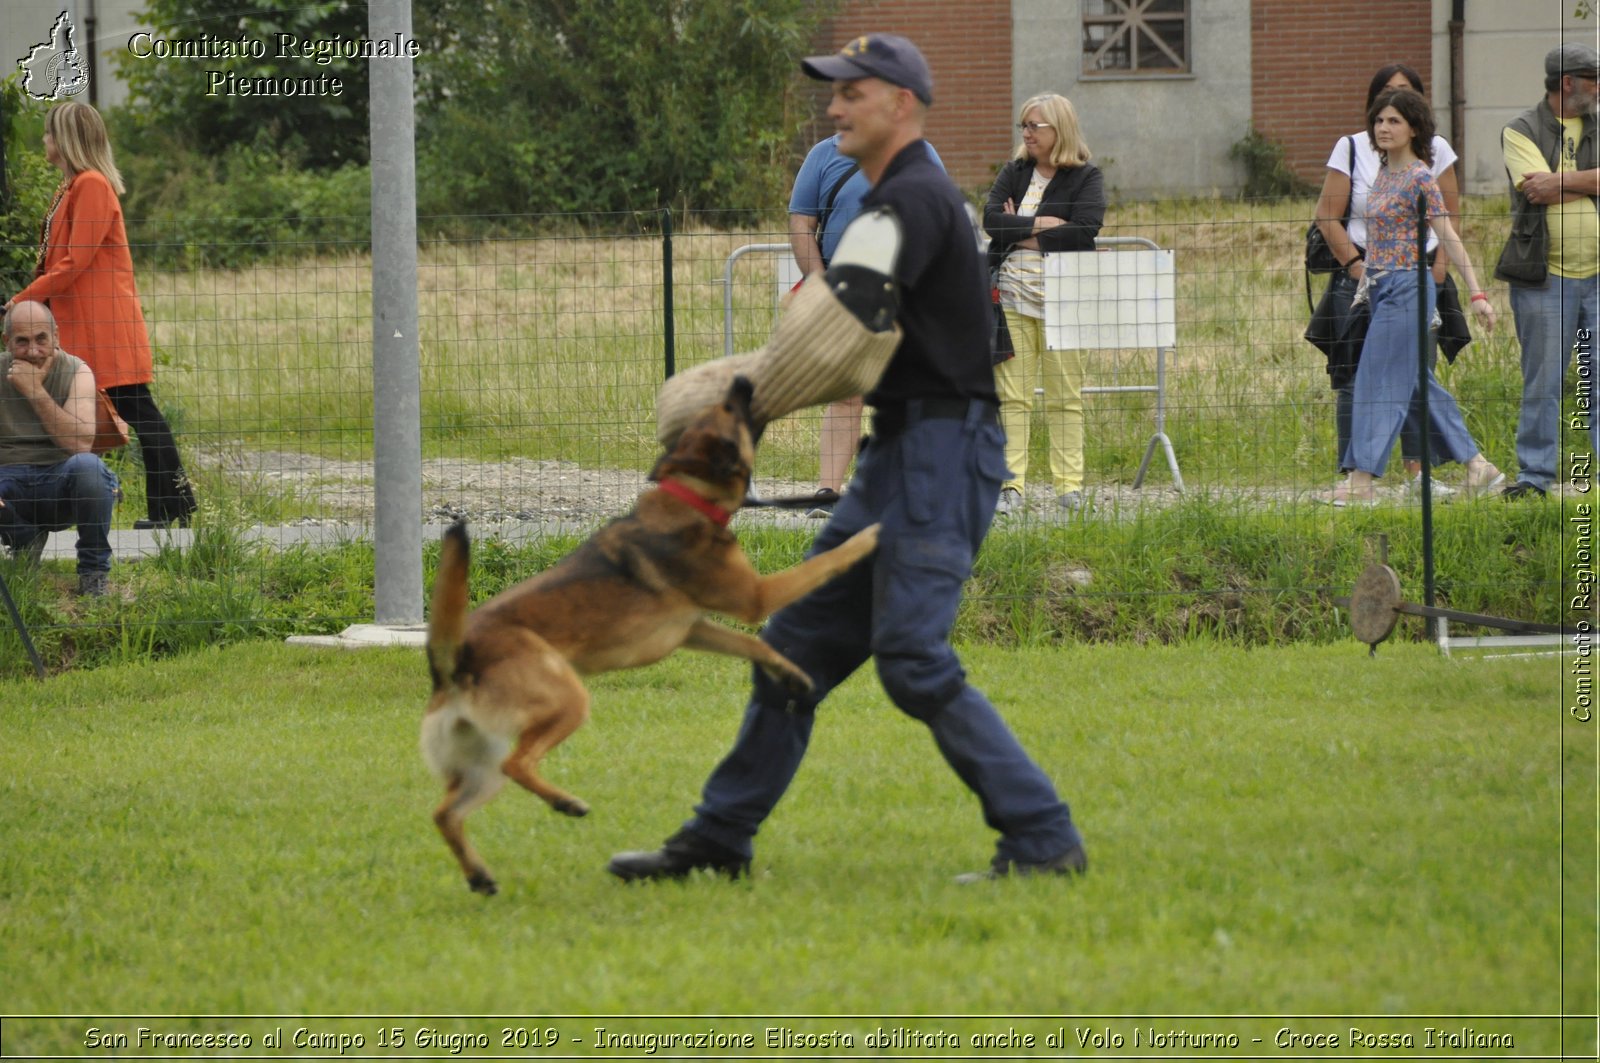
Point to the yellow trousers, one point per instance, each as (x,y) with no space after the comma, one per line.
(1060,374)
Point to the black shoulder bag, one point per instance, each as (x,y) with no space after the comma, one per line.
(1319,256)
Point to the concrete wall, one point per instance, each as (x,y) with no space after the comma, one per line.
(24,23)
(1503,55)
(1151,135)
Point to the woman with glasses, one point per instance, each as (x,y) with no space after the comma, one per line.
(1048,198)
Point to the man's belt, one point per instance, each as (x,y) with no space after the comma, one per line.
(892,420)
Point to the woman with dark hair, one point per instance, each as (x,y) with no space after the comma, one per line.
(1352,166)
(1400,127)
(84,274)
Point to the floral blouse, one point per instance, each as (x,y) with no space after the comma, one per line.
(1392,215)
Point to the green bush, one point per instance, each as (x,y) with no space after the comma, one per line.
(27,187)
(248,203)
(1266,175)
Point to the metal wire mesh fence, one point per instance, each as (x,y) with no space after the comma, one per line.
(545,338)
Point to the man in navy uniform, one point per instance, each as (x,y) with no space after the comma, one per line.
(930,474)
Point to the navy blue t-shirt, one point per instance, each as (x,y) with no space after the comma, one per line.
(944,291)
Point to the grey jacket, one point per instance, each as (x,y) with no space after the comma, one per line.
(1524,262)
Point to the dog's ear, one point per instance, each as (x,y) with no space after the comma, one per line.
(740,392)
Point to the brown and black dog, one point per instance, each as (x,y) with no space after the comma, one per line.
(507,684)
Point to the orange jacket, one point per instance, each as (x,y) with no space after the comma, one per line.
(88,284)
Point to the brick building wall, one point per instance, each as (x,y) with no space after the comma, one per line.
(968,46)
(1312,63)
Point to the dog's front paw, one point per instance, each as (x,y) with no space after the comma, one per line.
(480,882)
(792,678)
(570,806)
(864,541)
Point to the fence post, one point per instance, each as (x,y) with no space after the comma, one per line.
(396,360)
(669,335)
(1424,342)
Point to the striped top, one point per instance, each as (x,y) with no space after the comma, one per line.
(1021,276)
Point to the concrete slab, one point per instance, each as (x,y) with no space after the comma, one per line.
(365,636)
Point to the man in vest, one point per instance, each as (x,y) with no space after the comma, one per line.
(1552,260)
(49,480)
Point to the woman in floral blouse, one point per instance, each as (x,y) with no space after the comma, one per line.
(1400,124)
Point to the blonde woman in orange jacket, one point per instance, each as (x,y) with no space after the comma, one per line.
(84,274)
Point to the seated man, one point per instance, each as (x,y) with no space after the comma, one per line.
(49,480)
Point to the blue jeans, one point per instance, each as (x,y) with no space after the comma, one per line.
(933,487)
(1551,319)
(79,492)
(1386,380)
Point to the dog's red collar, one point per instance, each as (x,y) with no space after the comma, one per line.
(715,513)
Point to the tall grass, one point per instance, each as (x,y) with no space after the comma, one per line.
(1217,570)
(551,345)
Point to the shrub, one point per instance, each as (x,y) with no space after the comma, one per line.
(27,185)
(1267,176)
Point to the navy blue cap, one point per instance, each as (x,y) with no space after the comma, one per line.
(876,55)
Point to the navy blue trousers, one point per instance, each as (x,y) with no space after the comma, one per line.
(933,487)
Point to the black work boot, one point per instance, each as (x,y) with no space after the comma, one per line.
(1072,862)
(682,853)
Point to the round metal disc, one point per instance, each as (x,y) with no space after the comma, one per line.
(1373,604)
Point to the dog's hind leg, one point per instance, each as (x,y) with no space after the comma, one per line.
(465,758)
(464,793)
(561,707)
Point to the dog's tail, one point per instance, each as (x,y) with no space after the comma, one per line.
(448,619)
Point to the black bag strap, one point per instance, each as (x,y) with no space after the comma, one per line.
(1349,205)
(827,203)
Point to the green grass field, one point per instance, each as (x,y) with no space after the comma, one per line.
(1272,832)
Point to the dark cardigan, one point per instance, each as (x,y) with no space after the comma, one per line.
(1075,193)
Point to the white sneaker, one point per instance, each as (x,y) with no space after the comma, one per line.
(1440,488)
(1010,502)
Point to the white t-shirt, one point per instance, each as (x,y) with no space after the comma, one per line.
(1367,171)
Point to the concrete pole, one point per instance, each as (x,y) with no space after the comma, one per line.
(396,359)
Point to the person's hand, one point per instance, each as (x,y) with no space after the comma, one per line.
(1011,208)
(26,377)
(1044,221)
(1483,311)
(1542,187)
(1356,269)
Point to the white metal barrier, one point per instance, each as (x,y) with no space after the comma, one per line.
(786,269)
(1120,300)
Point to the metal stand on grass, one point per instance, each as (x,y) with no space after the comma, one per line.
(22,628)
(1121,300)
(1375,606)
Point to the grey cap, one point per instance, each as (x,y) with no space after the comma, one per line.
(1573,58)
(876,55)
